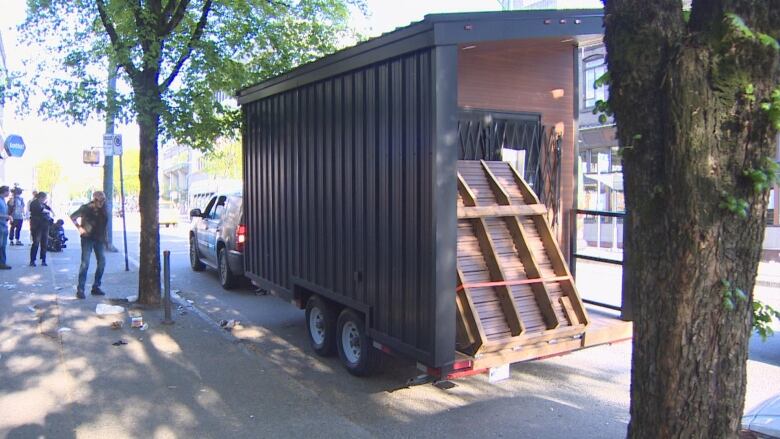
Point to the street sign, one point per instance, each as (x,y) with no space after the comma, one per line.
(117,144)
(91,156)
(108,145)
(14,145)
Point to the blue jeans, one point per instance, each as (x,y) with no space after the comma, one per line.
(3,243)
(87,245)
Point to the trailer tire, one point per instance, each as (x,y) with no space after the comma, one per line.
(355,348)
(321,326)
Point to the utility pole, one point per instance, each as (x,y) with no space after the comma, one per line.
(108,165)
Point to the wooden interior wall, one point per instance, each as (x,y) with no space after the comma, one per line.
(527,76)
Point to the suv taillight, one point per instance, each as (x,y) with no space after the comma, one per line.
(240,237)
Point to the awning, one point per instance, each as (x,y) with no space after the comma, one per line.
(613,181)
(598,137)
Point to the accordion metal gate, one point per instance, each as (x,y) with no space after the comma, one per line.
(485,134)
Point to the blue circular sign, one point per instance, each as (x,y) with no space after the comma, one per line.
(14,145)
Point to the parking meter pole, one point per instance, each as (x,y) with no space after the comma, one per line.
(124,213)
(167,298)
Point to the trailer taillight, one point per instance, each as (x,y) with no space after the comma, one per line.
(240,237)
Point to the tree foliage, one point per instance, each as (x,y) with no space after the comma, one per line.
(208,50)
(47,175)
(224,161)
(177,61)
(130,169)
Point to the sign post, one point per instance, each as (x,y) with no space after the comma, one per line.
(117,149)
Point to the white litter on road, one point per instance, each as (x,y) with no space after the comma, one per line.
(103,309)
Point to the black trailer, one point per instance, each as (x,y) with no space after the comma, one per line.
(350,171)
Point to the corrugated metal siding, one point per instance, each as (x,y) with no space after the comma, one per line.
(339,192)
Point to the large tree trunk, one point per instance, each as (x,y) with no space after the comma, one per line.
(148,105)
(688,132)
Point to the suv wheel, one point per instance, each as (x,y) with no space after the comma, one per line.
(227,279)
(195,262)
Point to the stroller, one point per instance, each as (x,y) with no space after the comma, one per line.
(57,238)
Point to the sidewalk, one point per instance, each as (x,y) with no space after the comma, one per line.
(60,375)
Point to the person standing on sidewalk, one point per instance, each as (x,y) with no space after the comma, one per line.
(40,218)
(92,228)
(17,208)
(4,218)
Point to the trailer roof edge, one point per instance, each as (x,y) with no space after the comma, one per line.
(434,30)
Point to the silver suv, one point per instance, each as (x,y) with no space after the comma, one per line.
(217,238)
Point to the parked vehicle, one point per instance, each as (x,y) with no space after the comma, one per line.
(217,238)
(169,215)
(763,421)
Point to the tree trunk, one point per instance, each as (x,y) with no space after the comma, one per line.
(148,105)
(688,132)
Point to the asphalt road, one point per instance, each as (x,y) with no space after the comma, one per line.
(583,394)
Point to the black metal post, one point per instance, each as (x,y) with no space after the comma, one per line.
(167,283)
(124,212)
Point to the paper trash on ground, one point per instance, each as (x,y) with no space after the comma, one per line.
(103,309)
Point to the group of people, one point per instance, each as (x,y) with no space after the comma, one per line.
(90,219)
(13,212)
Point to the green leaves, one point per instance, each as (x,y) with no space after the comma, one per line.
(603,110)
(769,41)
(732,295)
(242,42)
(737,206)
(772,107)
(762,315)
(762,319)
(765,177)
(602,80)
(739,26)
(743,31)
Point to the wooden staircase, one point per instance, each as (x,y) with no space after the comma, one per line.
(515,290)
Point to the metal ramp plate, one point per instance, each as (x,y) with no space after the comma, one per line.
(514,287)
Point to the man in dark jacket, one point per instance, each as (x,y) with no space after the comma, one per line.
(40,218)
(92,228)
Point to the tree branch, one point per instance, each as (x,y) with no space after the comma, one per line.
(177,16)
(123,57)
(196,34)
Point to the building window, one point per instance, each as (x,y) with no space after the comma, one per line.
(594,68)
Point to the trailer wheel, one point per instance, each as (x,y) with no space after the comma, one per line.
(355,348)
(321,325)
